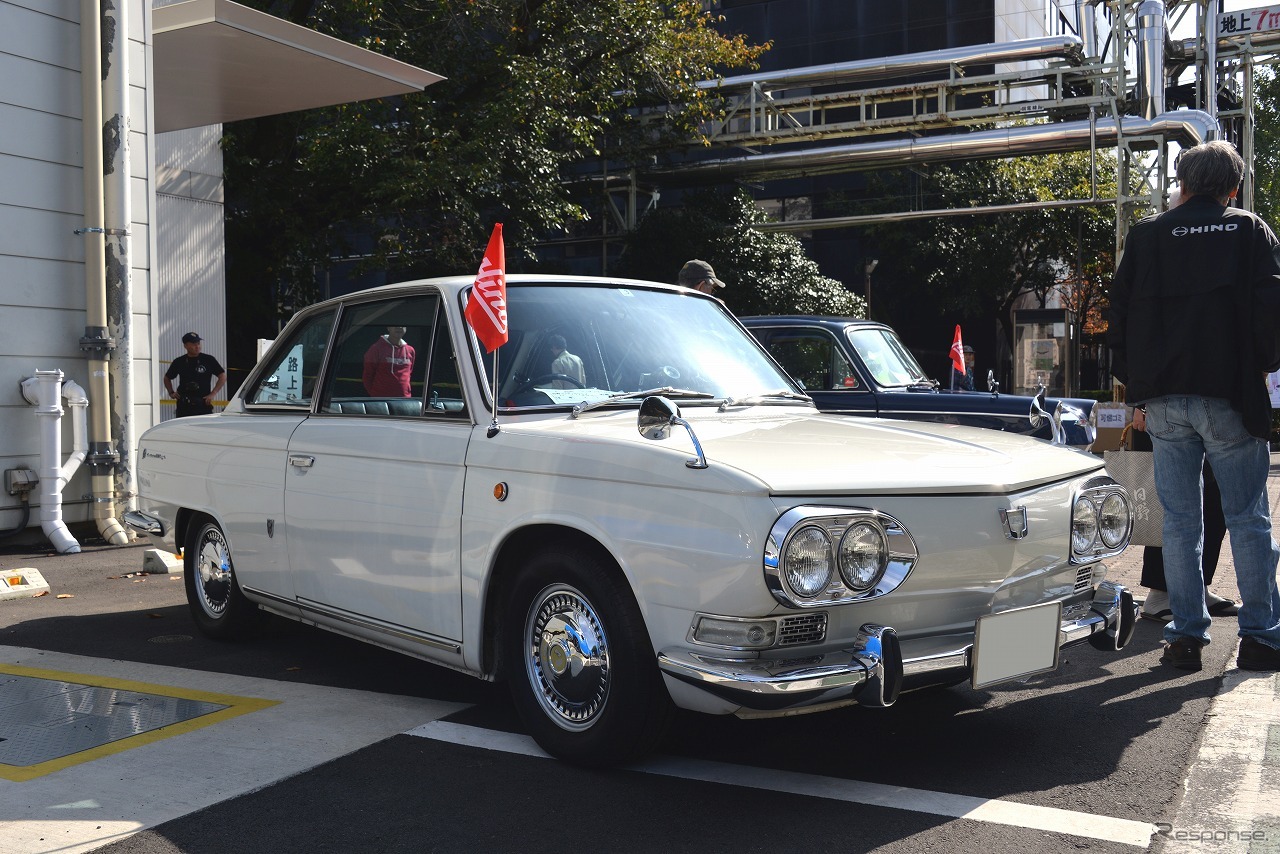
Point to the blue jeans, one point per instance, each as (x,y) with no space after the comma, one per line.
(1184,430)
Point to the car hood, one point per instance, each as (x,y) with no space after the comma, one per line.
(795,451)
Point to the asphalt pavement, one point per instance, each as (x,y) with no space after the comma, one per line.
(353,748)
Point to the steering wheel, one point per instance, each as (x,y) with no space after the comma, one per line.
(547,378)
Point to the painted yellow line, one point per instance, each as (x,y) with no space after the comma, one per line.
(236,706)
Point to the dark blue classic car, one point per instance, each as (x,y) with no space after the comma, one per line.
(859,367)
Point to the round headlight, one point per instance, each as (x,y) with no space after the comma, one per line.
(1113,520)
(1084,526)
(864,554)
(807,563)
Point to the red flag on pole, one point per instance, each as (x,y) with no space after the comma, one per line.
(957,352)
(487,309)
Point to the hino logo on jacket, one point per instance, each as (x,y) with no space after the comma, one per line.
(1183,230)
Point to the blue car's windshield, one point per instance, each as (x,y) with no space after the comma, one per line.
(581,343)
(889,362)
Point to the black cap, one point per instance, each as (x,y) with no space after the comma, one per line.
(191,338)
(696,271)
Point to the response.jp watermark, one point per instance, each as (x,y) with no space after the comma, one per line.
(1210,834)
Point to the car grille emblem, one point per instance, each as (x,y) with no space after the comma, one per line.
(1015,522)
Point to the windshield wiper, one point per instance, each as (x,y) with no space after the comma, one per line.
(666,391)
(752,399)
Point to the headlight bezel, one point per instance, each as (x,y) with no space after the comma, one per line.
(900,554)
(1093,494)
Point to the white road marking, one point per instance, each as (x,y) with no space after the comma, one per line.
(1232,802)
(86,806)
(1029,816)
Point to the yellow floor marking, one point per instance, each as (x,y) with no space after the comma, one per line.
(236,706)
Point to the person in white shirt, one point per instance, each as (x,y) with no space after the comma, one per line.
(564,362)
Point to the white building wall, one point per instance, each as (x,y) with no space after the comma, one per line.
(191,268)
(42,289)
(1021,19)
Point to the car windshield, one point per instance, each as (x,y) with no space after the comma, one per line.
(572,344)
(888,361)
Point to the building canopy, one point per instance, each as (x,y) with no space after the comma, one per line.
(217,61)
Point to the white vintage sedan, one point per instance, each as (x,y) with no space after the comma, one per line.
(632,508)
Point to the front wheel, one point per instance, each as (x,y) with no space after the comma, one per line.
(579,662)
(217,604)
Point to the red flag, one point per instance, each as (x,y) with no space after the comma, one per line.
(487,308)
(957,352)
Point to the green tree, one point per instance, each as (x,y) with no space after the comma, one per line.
(979,265)
(764,272)
(413,185)
(1266,147)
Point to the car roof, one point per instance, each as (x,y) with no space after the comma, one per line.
(810,320)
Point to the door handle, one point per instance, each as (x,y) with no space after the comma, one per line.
(301,461)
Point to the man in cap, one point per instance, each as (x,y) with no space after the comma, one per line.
(699,276)
(195,373)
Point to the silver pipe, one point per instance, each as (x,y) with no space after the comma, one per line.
(1151,48)
(1087,27)
(1185,49)
(937,213)
(839,73)
(1187,127)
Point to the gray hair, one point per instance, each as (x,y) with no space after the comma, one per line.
(1210,169)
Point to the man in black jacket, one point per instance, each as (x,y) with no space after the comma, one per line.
(1191,337)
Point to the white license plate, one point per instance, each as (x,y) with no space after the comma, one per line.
(1014,644)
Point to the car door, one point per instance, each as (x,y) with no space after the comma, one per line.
(373,493)
(247,482)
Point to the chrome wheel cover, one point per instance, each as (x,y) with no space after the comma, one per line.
(213,573)
(567,657)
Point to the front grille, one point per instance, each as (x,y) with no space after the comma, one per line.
(802,629)
(1084,578)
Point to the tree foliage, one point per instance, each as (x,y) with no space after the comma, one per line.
(1266,147)
(412,185)
(764,272)
(979,265)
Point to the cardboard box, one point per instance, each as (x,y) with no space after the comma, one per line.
(1111,419)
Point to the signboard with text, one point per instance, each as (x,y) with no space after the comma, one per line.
(1263,20)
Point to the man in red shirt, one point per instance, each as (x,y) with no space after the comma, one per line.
(387,365)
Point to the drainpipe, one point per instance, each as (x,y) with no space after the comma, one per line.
(96,342)
(54,474)
(118,219)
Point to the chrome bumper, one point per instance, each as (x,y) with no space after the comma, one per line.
(870,672)
(144,523)
(873,671)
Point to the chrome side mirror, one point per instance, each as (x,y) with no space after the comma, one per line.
(655,419)
(992,385)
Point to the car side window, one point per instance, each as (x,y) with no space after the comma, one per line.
(814,360)
(292,379)
(380,358)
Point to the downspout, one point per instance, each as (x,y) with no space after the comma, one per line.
(118,220)
(54,474)
(96,342)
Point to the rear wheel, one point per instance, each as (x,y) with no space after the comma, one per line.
(217,604)
(579,662)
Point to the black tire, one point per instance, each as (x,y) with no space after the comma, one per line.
(601,708)
(217,604)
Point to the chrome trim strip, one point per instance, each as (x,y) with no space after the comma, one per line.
(144,523)
(366,623)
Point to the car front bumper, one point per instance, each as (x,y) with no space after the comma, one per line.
(874,670)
